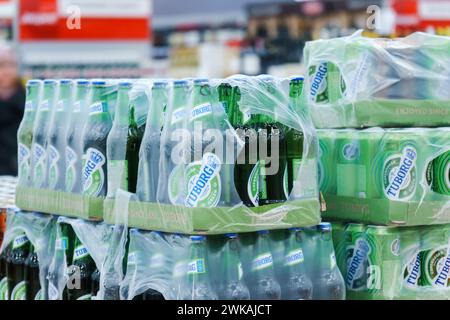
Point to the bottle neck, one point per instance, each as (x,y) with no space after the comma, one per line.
(232,263)
(295,94)
(159,101)
(122,115)
(325,251)
(197,263)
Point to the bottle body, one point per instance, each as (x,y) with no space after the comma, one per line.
(15,267)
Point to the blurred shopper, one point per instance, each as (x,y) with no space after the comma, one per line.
(12,100)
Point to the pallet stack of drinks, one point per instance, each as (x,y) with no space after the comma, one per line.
(383,109)
(168,189)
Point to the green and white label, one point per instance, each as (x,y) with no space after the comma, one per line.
(412,271)
(24,157)
(80,252)
(93,172)
(19,291)
(196,266)
(71,173)
(20,241)
(203,179)
(200,111)
(437,267)
(318,80)
(44,106)
(4,289)
(357,263)
(96,108)
(400,175)
(262,261)
(53,174)
(178,115)
(40,165)
(253,185)
(294,257)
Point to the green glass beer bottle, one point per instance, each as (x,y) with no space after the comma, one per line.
(83,266)
(150,148)
(3,276)
(204,175)
(67,242)
(247,167)
(41,128)
(123,144)
(297,285)
(233,286)
(74,148)
(57,137)
(25,131)
(94,172)
(15,267)
(198,271)
(294,139)
(32,279)
(271,134)
(171,188)
(264,286)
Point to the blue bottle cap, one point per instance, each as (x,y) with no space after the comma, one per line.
(180,83)
(65,81)
(82,82)
(297,78)
(200,81)
(198,238)
(33,82)
(99,83)
(325,226)
(49,81)
(231,235)
(263,231)
(125,83)
(159,83)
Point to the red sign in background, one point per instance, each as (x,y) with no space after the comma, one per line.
(40,20)
(409,15)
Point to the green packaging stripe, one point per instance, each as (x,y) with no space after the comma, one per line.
(176,219)
(59,203)
(441,174)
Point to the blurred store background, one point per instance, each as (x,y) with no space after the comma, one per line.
(211,38)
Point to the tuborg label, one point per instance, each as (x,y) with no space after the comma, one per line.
(4,289)
(93,172)
(318,81)
(294,257)
(356,265)
(178,115)
(157,261)
(80,252)
(399,175)
(44,106)
(71,172)
(253,185)
(18,293)
(200,111)
(204,186)
(262,261)
(40,168)
(53,173)
(24,157)
(196,266)
(77,106)
(96,108)
(412,271)
(20,241)
(437,267)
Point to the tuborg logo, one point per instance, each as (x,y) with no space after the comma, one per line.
(210,168)
(196,266)
(414,274)
(442,279)
(262,261)
(359,257)
(318,80)
(402,173)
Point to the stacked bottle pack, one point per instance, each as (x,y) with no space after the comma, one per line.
(400,263)
(70,259)
(238,148)
(391,178)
